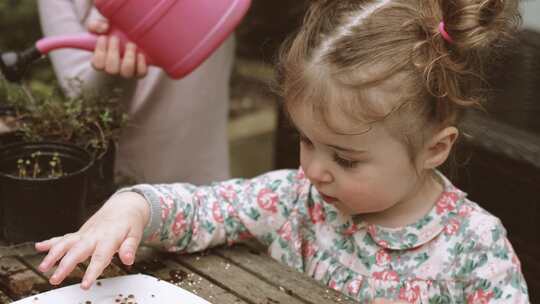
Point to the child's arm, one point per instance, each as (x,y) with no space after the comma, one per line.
(179,217)
(187,218)
(495,271)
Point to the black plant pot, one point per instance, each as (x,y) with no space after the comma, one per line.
(39,208)
(11,138)
(102,179)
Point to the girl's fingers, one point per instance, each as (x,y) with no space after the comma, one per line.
(129,247)
(47,244)
(142,67)
(112,61)
(100,260)
(77,254)
(127,68)
(107,58)
(98,26)
(57,252)
(100,53)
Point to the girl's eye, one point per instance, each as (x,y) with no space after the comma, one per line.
(345,163)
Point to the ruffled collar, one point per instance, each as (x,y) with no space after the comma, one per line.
(411,236)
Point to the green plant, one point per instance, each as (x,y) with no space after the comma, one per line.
(89,120)
(20,24)
(38,165)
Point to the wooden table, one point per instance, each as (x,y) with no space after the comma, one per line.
(242,274)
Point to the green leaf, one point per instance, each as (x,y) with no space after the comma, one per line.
(421,258)
(440,299)
(424,221)
(275,185)
(253,214)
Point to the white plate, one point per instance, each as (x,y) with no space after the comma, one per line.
(144,289)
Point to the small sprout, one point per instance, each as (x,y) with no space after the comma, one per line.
(36,170)
(33,167)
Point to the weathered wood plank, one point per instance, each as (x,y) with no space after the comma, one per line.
(238,281)
(22,250)
(4,298)
(18,280)
(163,266)
(75,277)
(286,278)
(176,274)
(111,271)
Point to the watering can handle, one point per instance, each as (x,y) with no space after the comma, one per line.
(84,41)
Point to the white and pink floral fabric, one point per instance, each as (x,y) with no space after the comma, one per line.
(457,253)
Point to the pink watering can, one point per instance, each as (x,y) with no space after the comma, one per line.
(176,35)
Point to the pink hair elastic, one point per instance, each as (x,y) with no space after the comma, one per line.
(444,33)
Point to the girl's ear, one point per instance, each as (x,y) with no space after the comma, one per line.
(439,146)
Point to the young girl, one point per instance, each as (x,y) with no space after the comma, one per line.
(375,89)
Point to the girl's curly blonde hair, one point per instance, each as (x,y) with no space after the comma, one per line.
(347,47)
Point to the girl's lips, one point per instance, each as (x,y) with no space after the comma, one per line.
(328,199)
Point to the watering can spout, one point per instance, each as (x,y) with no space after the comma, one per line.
(13,65)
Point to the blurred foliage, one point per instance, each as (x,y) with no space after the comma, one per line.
(20,29)
(20,26)
(91,120)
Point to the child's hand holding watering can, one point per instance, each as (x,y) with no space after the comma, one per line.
(107,54)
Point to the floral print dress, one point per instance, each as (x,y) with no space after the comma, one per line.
(457,253)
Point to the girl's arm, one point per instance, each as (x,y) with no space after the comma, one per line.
(187,218)
(178,217)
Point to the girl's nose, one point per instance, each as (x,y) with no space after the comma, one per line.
(317,173)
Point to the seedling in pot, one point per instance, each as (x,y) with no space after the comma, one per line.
(33,167)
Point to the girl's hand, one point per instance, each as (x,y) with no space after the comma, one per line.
(107,54)
(116,227)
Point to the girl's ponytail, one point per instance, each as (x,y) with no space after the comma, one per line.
(478,24)
(464,39)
